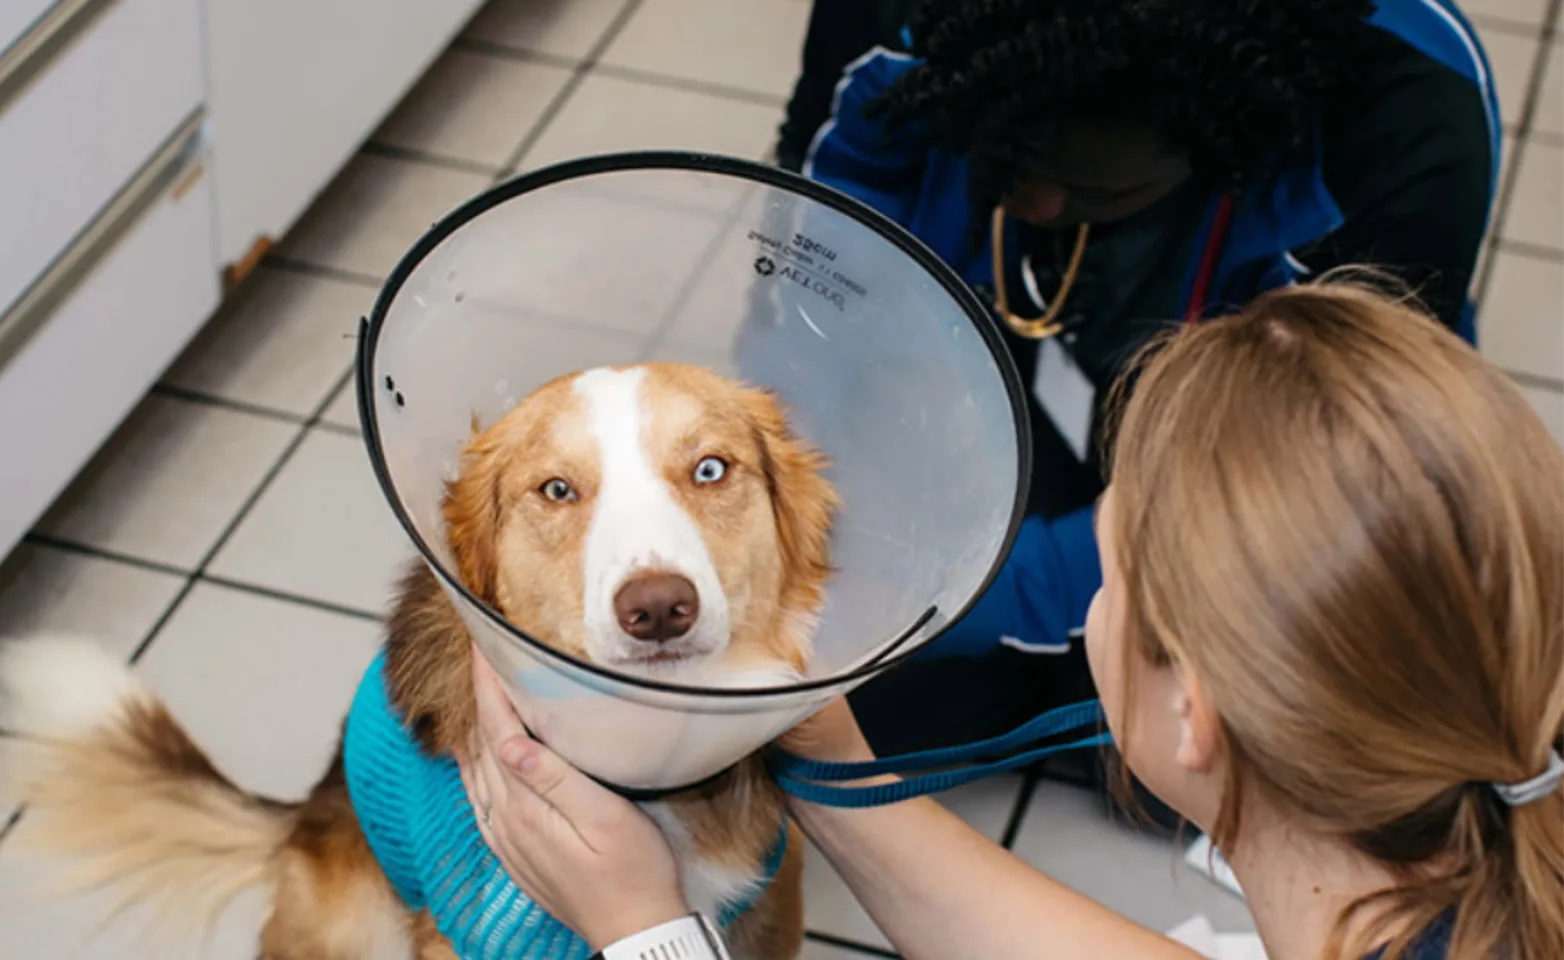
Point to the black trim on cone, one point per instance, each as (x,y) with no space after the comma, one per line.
(977,314)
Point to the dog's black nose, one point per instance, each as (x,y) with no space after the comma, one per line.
(657,606)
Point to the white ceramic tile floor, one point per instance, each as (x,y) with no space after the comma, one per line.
(375,210)
(563,28)
(1521,327)
(717,356)
(35,924)
(735,45)
(1511,55)
(283,343)
(181,469)
(829,906)
(1522,12)
(603,241)
(1548,120)
(343,409)
(607,114)
(44,590)
(321,530)
(1067,834)
(1540,179)
(50,591)
(168,484)
(260,684)
(474,107)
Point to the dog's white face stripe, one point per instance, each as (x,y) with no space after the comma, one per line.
(637,524)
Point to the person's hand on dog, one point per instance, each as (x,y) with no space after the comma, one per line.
(586,855)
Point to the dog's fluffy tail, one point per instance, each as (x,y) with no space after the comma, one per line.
(117,788)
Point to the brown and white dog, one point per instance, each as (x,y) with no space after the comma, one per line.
(655,519)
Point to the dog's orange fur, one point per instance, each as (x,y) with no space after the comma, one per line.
(198,838)
(767,525)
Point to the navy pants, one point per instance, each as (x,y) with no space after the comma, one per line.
(1017,652)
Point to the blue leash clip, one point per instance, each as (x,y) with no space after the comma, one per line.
(814,781)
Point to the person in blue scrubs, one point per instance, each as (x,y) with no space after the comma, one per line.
(1100,170)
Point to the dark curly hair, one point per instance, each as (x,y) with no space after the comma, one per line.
(1235,82)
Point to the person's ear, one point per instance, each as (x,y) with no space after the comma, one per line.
(1200,730)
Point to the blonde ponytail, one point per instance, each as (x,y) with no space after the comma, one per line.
(1536,835)
(1500,891)
(1351,528)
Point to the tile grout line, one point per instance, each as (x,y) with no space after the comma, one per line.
(667,81)
(326,271)
(1537,380)
(428,158)
(1018,811)
(101,553)
(562,97)
(1530,250)
(590,63)
(504,51)
(199,573)
(168,569)
(224,403)
(340,429)
(1515,28)
(555,107)
(708,256)
(297,599)
(843,943)
(255,409)
(1523,123)
(654,78)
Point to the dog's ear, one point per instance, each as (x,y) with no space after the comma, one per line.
(803,500)
(472,515)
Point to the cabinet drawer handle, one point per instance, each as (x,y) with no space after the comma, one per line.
(56,284)
(36,49)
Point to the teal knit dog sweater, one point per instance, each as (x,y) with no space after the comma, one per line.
(420,825)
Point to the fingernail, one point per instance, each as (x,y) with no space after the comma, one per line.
(519,756)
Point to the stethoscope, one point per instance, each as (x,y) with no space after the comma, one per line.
(1049,325)
(1076,726)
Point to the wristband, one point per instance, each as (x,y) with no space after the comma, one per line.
(689,937)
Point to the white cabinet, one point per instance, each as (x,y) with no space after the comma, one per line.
(102,334)
(18,16)
(145,147)
(296,86)
(84,123)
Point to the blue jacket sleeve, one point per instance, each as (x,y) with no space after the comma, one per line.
(854,154)
(1068,570)
(1038,601)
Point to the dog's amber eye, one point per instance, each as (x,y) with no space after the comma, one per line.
(710,470)
(557,490)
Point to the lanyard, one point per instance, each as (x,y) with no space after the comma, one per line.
(815,782)
(1221,221)
(934,771)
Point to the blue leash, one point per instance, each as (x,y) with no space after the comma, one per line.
(811,780)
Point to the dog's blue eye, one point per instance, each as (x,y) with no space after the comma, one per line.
(557,490)
(710,470)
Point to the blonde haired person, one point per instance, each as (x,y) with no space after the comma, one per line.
(1330,633)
